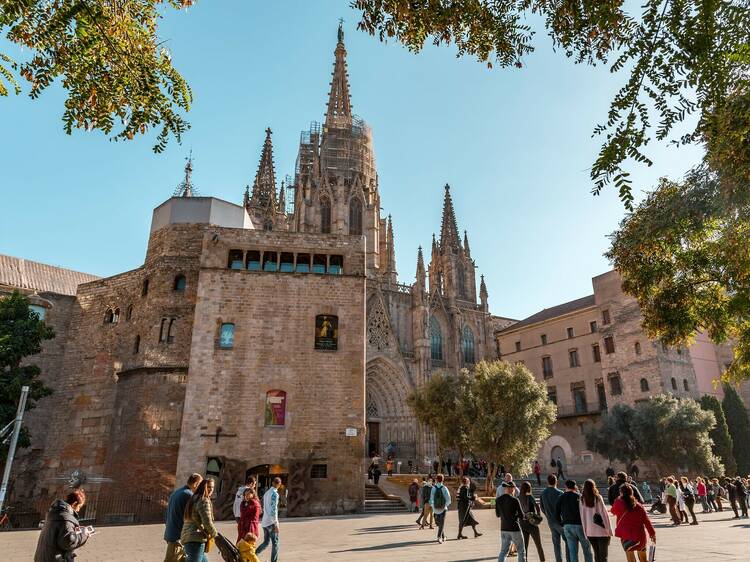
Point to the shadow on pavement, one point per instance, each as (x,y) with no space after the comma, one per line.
(388,546)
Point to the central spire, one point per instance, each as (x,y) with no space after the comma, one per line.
(339,113)
(264,186)
(449,239)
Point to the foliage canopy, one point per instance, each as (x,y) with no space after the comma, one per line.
(739,427)
(722,441)
(613,438)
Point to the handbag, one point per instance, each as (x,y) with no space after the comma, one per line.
(652,553)
(209,544)
(599,520)
(533,518)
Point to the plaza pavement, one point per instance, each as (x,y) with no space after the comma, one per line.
(395,538)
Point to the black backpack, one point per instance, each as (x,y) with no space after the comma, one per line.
(228,551)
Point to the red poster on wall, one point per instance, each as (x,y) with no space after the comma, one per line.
(275,407)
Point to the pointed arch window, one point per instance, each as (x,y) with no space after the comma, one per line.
(461,280)
(467,344)
(355,216)
(325,215)
(436,340)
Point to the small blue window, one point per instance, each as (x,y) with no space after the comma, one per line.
(180,283)
(253,260)
(40,311)
(226,336)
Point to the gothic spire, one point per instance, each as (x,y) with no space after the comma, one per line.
(466,245)
(449,239)
(246,197)
(282,198)
(391,247)
(483,294)
(339,112)
(264,186)
(420,268)
(434,248)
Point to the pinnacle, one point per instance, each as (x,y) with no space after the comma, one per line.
(449,229)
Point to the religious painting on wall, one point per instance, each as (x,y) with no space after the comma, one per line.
(275,408)
(326,332)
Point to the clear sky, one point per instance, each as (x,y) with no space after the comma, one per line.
(515,145)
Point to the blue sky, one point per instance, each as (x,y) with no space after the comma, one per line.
(515,145)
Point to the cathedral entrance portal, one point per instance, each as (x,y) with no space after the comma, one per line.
(373,438)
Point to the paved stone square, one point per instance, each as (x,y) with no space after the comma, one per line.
(394,537)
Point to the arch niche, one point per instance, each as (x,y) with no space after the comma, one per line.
(390,427)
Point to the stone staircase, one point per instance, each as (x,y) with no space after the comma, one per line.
(376,501)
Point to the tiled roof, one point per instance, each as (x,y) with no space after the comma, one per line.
(27,274)
(553,312)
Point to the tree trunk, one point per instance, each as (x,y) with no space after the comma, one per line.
(489,484)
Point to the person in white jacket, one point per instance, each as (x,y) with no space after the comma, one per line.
(270,520)
(250,482)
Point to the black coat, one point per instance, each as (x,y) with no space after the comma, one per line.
(61,534)
(465,500)
(614,492)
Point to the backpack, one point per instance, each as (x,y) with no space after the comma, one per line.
(439,502)
(228,551)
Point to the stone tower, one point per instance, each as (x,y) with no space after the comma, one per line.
(336,184)
(264,208)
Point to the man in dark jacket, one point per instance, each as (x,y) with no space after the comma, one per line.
(548,500)
(568,514)
(614,490)
(62,534)
(175,517)
(508,509)
(414,494)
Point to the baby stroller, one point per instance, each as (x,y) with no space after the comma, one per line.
(658,506)
(228,551)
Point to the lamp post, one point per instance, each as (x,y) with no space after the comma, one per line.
(16,424)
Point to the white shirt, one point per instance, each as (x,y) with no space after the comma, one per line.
(238,497)
(270,508)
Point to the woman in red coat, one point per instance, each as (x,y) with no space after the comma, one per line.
(632,524)
(250,512)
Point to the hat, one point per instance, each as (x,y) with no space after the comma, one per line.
(510,484)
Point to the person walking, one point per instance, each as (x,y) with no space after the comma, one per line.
(632,524)
(250,511)
(719,494)
(613,492)
(559,465)
(174,517)
(376,474)
(239,497)
(502,488)
(568,514)
(595,520)
(508,509)
(671,495)
(465,501)
(440,500)
(732,496)
(538,473)
(548,500)
(270,520)
(646,494)
(688,497)
(199,527)
(426,493)
(413,495)
(634,471)
(449,466)
(531,519)
(701,491)
(741,494)
(62,534)
(389,465)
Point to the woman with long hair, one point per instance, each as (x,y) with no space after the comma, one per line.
(632,524)
(595,521)
(688,498)
(250,512)
(530,510)
(199,530)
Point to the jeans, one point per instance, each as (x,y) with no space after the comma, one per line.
(557,535)
(575,536)
(532,531)
(426,515)
(440,521)
(515,537)
(600,546)
(270,536)
(195,551)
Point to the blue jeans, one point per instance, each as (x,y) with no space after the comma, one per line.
(515,537)
(270,536)
(558,534)
(573,536)
(195,551)
(440,522)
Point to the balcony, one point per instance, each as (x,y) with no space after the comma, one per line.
(573,412)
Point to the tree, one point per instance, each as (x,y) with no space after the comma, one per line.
(510,415)
(674,434)
(613,438)
(722,441)
(739,428)
(21,335)
(680,58)
(107,55)
(440,404)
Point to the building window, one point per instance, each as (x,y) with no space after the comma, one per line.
(615,384)
(547,370)
(269,261)
(593,326)
(319,264)
(596,352)
(325,215)
(605,317)
(268,225)
(167,330)
(336,265)
(286,264)
(326,332)
(129,313)
(674,383)
(236,259)
(180,283)
(518,346)
(601,395)
(573,356)
(644,385)
(609,345)
(552,394)
(319,471)
(544,339)
(40,311)
(685,385)
(303,263)
(112,316)
(226,336)
(252,261)
(144,288)
(578,390)
(571,333)
(679,351)
(137,345)
(461,280)
(171,331)
(275,413)
(467,343)
(436,340)
(637,348)
(355,216)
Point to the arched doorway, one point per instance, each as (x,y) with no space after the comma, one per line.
(558,453)
(265,473)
